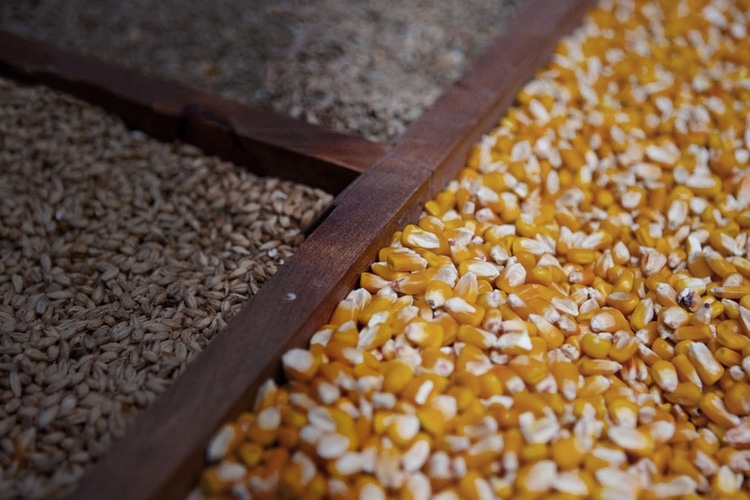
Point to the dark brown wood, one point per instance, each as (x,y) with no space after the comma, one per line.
(261,140)
(163,452)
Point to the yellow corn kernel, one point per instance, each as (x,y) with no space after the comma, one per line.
(588,367)
(713,407)
(541,275)
(663,349)
(424,333)
(623,412)
(567,377)
(395,377)
(464,389)
(683,464)
(472,360)
(609,319)
(686,370)
(404,260)
(437,292)
(264,429)
(346,334)
(737,399)
(719,264)
(293,417)
(534,452)
(300,364)
(511,277)
(429,223)
(661,458)
(665,375)
(731,457)
(686,394)
(450,327)
(731,309)
(250,453)
(733,292)
(700,333)
(595,346)
(642,314)
(414,283)
(741,263)
(529,402)
(382,270)
(625,302)
(423,388)
(726,484)
(519,306)
(437,361)
(530,370)
(566,453)
(219,478)
(493,320)
(288,437)
(372,282)
(380,304)
(582,256)
(594,385)
(727,356)
(472,414)
(415,237)
(372,337)
(698,265)
(464,312)
(709,370)
(624,346)
(367,486)
(433,421)
(633,440)
(473,485)
(551,334)
(402,429)
(349,308)
(476,337)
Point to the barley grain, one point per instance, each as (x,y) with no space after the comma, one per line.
(108,242)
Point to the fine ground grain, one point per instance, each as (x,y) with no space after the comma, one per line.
(366,66)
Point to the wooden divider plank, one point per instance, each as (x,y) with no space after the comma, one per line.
(258,139)
(162,453)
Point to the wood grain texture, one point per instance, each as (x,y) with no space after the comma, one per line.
(261,140)
(162,454)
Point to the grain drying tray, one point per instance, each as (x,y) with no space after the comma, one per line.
(379,188)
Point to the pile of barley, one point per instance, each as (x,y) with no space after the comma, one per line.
(569,318)
(120,258)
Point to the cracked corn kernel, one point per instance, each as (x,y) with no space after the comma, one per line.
(570,315)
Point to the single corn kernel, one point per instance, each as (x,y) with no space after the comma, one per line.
(737,399)
(713,407)
(685,394)
(595,345)
(665,375)
(709,370)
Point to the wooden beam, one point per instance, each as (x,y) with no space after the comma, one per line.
(263,141)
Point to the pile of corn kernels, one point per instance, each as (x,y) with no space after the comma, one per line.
(570,317)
